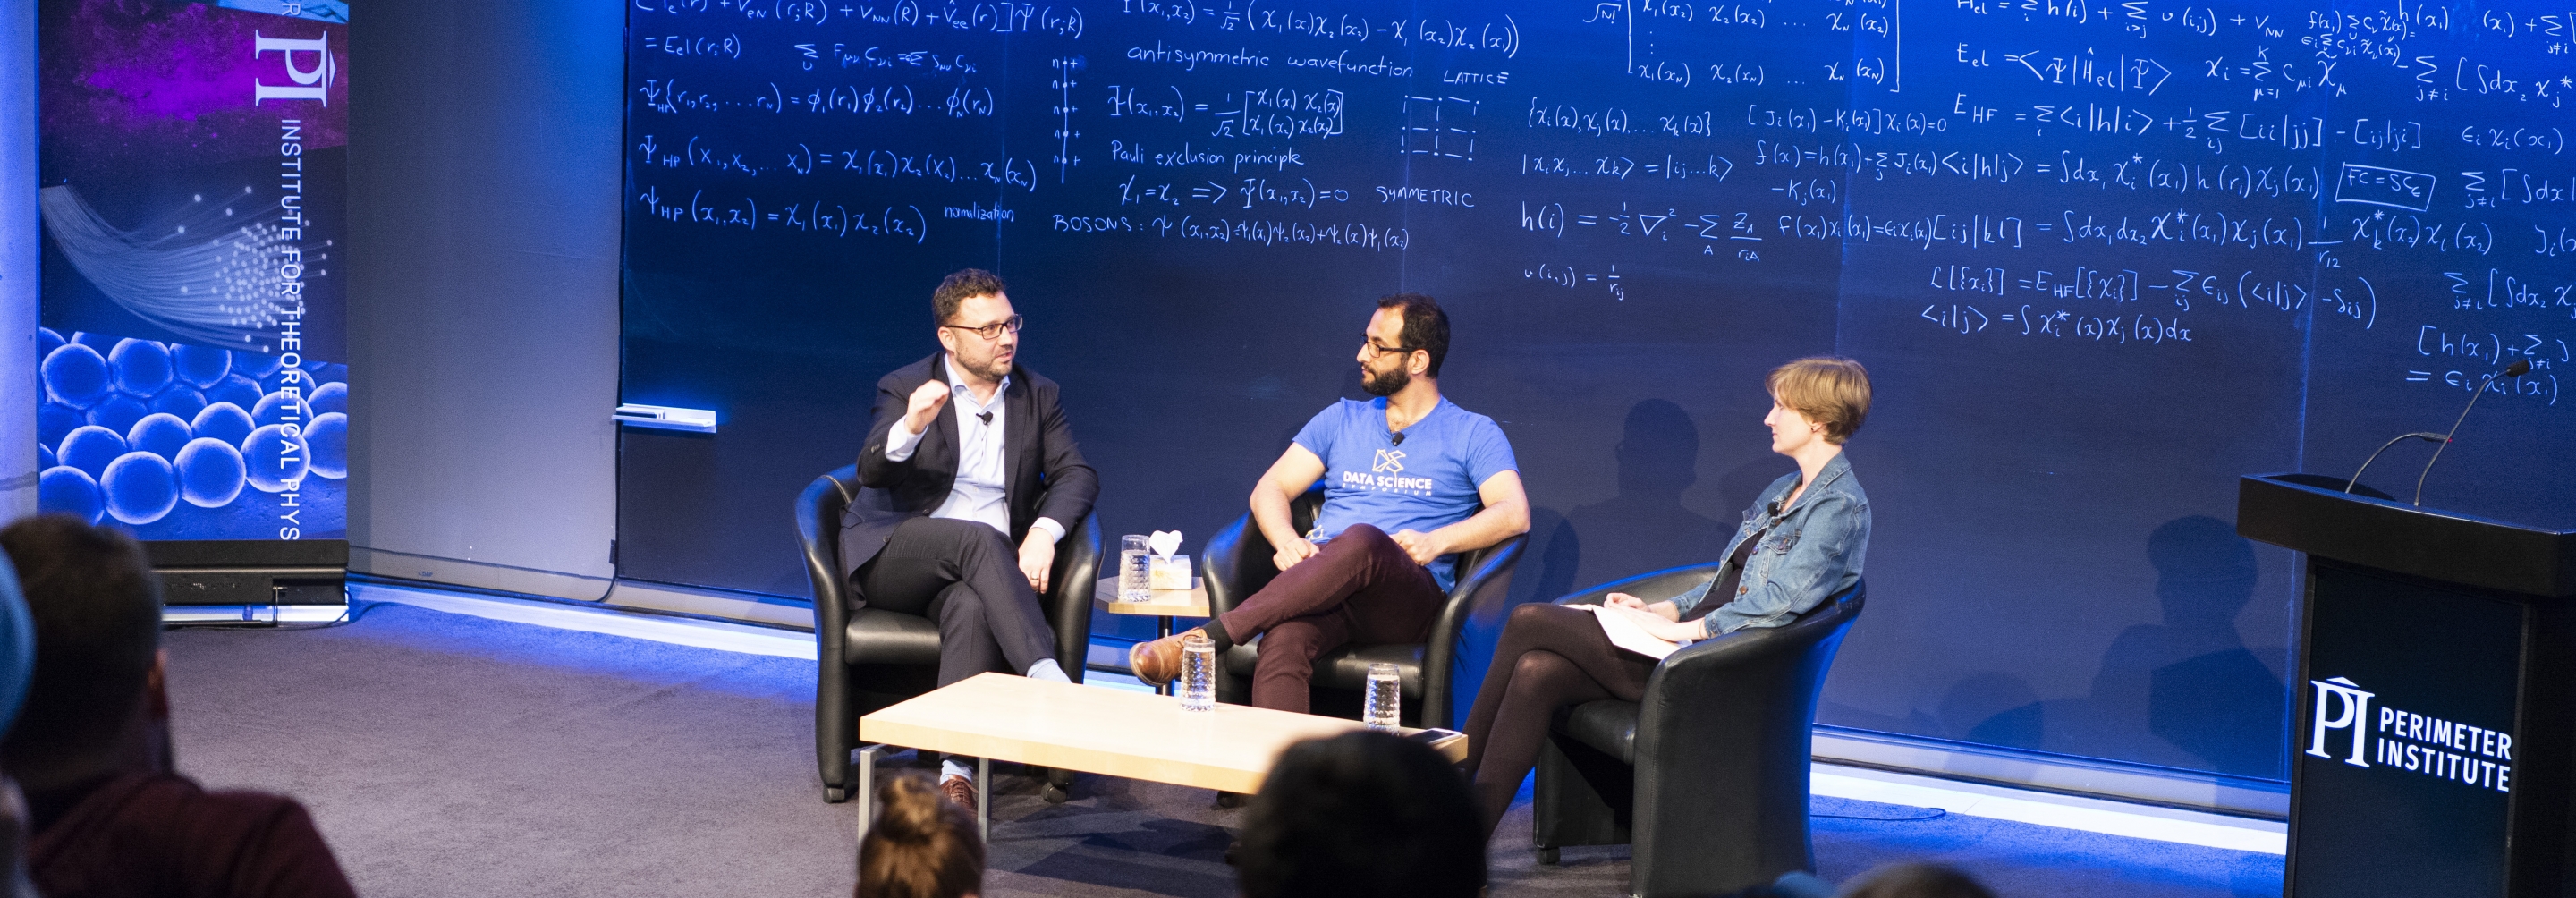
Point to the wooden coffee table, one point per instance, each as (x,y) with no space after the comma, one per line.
(1090,729)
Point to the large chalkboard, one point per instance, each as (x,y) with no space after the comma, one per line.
(2101,257)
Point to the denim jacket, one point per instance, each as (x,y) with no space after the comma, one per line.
(1813,551)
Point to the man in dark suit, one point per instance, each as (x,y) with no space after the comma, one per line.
(968,479)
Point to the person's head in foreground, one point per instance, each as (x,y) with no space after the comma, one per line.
(17,666)
(96,705)
(1915,880)
(1362,815)
(921,846)
(1816,404)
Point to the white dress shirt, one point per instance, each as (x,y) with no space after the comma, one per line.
(981,493)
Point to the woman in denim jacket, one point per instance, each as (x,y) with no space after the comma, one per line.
(1801,542)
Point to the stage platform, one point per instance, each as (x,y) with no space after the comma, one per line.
(494,746)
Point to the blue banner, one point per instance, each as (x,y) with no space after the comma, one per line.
(192,359)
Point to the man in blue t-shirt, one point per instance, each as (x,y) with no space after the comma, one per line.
(1404,476)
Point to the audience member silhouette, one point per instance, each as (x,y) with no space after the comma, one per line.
(110,816)
(1915,880)
(1362,815)
(920,846)
(17,665)
(1902,880)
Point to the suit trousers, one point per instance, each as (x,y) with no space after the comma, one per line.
(1360,587)
(966,576)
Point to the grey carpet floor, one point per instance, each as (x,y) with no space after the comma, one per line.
(445,755)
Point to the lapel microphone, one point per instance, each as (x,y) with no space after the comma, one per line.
(986,417)
(1396,437)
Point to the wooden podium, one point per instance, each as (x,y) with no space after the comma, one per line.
(2431,748)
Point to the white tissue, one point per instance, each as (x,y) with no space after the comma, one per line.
(1164,542)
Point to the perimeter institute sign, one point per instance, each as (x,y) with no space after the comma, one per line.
(2404,741)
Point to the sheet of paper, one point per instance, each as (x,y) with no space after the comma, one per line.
(1625,633)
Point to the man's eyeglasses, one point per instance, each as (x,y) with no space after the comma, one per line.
(1374,350)
(994,330)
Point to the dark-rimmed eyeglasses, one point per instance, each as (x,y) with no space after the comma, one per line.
(1374,350)
(994,330)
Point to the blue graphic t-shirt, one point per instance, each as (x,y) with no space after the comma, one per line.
(1426,483)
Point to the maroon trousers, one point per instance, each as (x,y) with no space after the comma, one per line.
(1549,657)
(1360,587)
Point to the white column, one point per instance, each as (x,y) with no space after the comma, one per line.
(18,258)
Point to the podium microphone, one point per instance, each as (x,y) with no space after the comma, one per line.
(2383,447)
(2519,368)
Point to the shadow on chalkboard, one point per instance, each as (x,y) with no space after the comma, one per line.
(1644,526)
(2185,691)
(2206,693)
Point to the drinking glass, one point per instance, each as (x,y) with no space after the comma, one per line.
(1135,569)
(1383,708)
(1198,673)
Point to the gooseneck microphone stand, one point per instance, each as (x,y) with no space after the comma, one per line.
(2519,368)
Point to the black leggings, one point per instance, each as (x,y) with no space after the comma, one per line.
(1550,657)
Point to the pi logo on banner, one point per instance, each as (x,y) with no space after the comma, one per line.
(309,83)
(2340,705)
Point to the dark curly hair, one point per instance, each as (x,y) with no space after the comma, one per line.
(1426,327)
(957,288)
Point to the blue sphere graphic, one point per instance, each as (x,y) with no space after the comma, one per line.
(118,412)
(210,473)
(330,397)
(160,434)
(100,342)
(91,448)
(142,367)
(275,459)
(71,491)
(279,408)
(329,437)
(45,457)
(203,366)
(54,422)
(140,488)
(181,401)
(253,365)
(241,391)
(223,421)
(48,340)
(75,375)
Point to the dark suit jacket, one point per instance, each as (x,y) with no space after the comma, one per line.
(1046,476)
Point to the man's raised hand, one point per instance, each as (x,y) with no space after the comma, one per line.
(924,405)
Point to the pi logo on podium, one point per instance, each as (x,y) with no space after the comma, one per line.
(2340,704)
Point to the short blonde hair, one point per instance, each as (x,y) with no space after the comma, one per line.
(1826,389)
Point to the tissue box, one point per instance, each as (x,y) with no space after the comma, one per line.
(1169,572)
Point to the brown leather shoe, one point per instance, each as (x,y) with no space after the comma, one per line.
(1155,663)
(959,791)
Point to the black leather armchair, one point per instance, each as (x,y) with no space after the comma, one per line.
(1237,564)
(876,658)
(1707,777)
